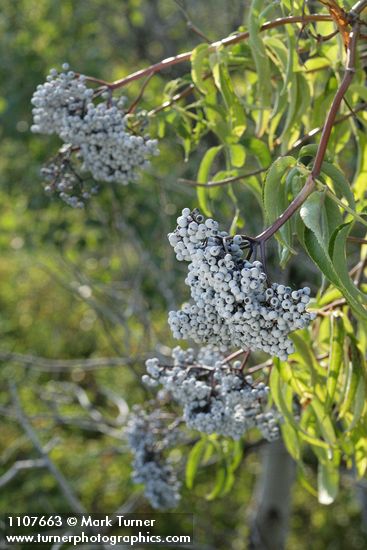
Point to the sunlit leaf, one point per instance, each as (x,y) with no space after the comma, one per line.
(327,483)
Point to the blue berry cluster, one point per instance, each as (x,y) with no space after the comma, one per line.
(149,437)
(232,304)
(99,133)
(215,396)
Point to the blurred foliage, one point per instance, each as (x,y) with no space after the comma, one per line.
(97,283)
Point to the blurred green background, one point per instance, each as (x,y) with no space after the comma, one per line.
(80,285)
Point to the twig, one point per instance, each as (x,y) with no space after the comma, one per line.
(323,38)
(244,360)
(224,181)
(360,270)
(234,355)
(189,23)
(18,467)
(140,95)
(331,306)
(68,493)
(357,240)
(260,366)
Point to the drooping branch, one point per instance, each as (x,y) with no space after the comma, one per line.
(228,41)
(309,186)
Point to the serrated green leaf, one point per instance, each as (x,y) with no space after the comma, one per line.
(273,187)
(320,256)
(330,295)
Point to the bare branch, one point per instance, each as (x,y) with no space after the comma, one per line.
(56,365)
(68,493)
(18,467)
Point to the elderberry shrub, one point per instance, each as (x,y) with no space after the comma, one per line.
(149,436)
(97,133)
(232,304)
(215,396)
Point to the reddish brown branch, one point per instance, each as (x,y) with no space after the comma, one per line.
(229,41)
(140,95)
(320,154)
